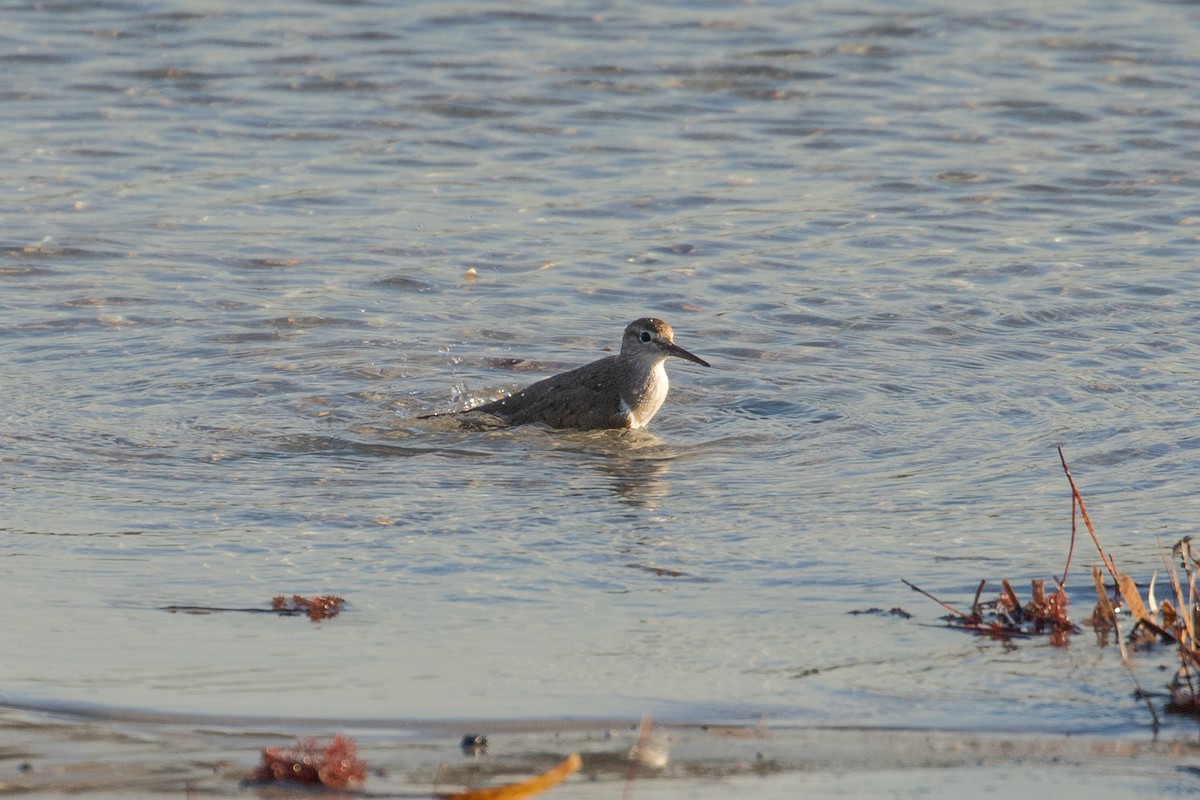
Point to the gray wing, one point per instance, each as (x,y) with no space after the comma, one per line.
(575,399)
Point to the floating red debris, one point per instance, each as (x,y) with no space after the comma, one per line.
(318,608)
(334,766)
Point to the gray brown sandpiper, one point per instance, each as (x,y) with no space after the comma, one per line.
(621,391)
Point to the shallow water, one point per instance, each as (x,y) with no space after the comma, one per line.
(921,245)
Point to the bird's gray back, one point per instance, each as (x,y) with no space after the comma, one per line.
(581,398)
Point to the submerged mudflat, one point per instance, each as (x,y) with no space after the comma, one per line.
(145,755)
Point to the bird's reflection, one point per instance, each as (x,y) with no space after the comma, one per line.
(639,481)
(635,463)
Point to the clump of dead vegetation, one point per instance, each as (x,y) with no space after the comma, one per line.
(335,765)
(1173,622)
(1006,617)
(1169,623)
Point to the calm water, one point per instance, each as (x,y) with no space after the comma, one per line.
(921,244)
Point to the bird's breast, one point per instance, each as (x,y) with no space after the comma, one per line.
(646,398)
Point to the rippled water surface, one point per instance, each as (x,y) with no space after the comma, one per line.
(243,246)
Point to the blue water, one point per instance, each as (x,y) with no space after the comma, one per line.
(242,248)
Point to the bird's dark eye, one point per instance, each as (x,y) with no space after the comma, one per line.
(646,336)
